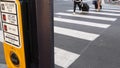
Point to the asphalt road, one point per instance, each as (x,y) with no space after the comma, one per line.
(84,40)
(92,38)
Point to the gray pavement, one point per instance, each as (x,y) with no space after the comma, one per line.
(1,54)
(104,52)
(116,2)
(3,66)
(2,60)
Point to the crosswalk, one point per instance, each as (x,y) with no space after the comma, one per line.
(92,19)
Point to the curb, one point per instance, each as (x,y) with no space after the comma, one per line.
(3,66)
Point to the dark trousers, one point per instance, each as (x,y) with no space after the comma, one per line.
(77,4)
(96,5)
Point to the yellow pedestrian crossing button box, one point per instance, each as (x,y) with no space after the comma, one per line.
(12,31)
(10,23)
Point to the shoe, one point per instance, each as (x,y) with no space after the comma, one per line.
(73,12)
(98,10)
(83,12)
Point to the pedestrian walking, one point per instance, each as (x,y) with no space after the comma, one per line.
(76,3)
(97,4)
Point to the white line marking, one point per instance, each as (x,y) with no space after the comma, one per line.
(88,16)
(109,7)
(108,10)
(82,22)
(64,58)
(1,36)
(103,13)
(65,0)
(76,33)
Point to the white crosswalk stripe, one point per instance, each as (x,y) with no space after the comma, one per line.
(108,7)
(81,22)
(93,12)
(76,33)
(64,58)
(110,10)
(88,16)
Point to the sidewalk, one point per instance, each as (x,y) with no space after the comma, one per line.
(1,36)
(2,61)
(117,2)
(3,66)
(1,40)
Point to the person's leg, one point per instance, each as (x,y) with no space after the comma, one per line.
(79,5)
(100,6)
(99,3)
(96,5)
(74,8)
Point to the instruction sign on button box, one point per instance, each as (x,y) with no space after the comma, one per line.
(8,7)
(12,39)
(9,18)
(10,28)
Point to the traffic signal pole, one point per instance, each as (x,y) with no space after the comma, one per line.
(28,33)
(44,31)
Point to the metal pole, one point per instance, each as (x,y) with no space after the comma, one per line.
(41,30)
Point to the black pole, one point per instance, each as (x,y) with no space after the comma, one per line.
(38,28)
(44,12)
